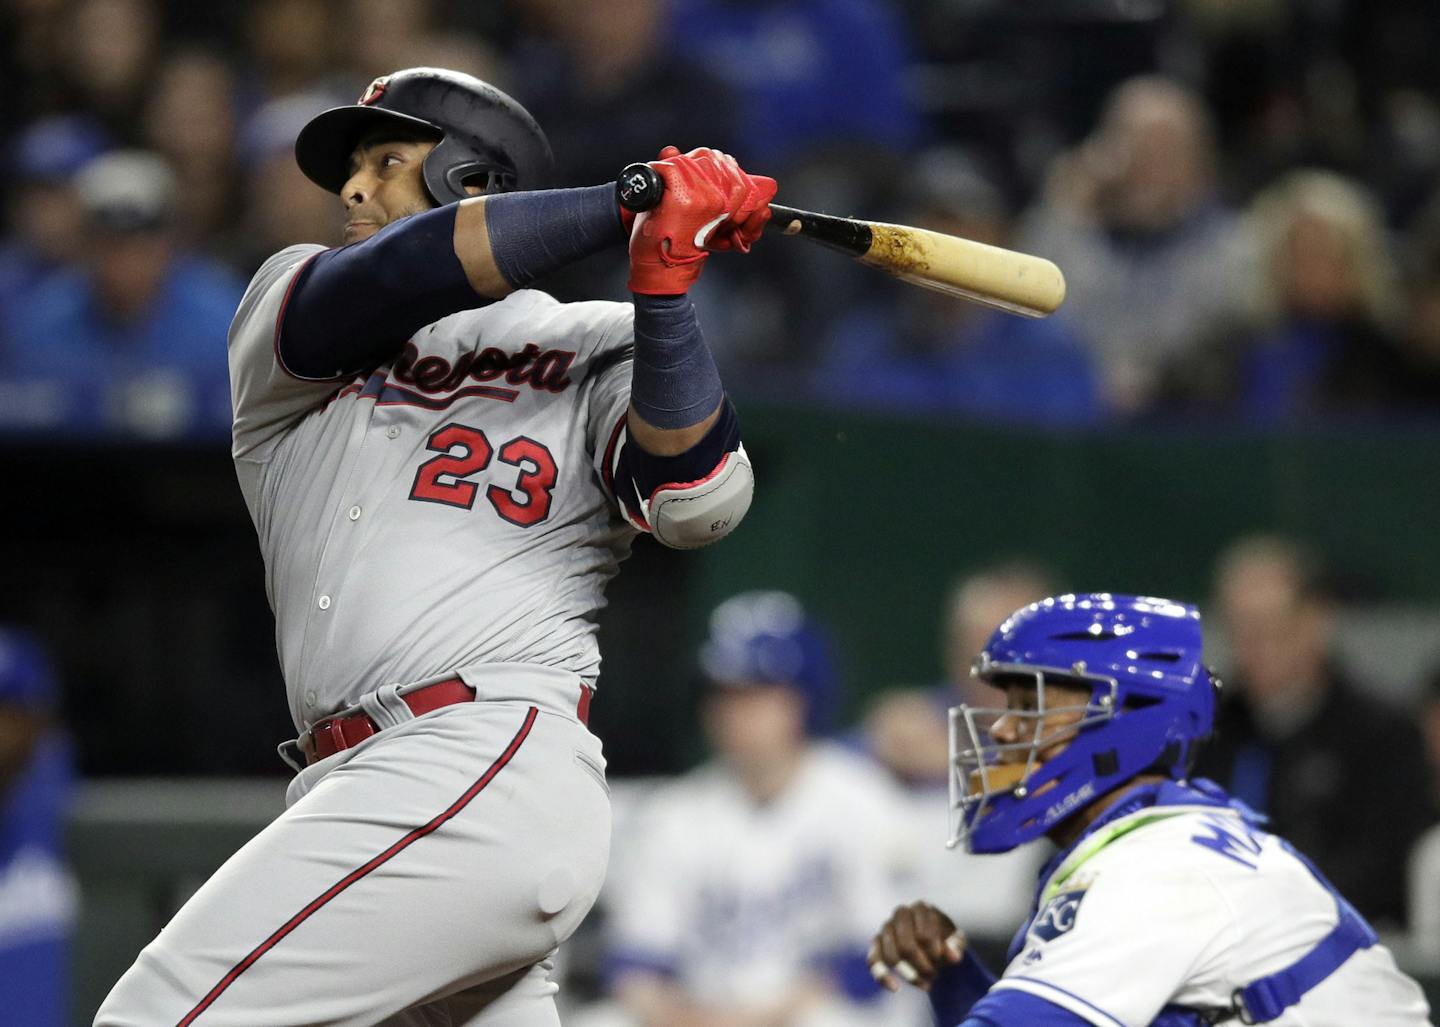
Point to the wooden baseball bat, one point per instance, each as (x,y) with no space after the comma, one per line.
(1000,278)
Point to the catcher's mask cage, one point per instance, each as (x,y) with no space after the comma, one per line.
(486,139)
(1150,703)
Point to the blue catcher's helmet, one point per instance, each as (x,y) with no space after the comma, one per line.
(1151,702)
(767,638)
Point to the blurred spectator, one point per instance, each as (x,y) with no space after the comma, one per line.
(1333,767)
(1430,729)
(1416,378)
(33,34)
(1317,336)
(191,120)
(37,894)
(110,52)
(136,334)
(811,75)
(1424,871)
(907,731)
(746,894)
(293,45)
(381,35)
(282,206)
(923,351)
(44,220)
(1133,217)
(609,89)
(821,104)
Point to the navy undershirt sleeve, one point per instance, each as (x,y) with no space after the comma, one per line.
(353,307)
(957,988)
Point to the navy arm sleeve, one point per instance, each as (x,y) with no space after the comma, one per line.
(353,307)
(957,988)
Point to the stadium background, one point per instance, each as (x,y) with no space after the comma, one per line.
(128,552)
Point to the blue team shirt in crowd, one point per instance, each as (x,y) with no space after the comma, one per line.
(163,373)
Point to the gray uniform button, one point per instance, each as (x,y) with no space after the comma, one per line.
(311,696)
(354,513)
(392,432)
(324,602)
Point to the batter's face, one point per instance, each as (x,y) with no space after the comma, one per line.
(385,184)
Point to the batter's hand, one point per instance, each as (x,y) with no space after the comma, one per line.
(709,204)
(916,943)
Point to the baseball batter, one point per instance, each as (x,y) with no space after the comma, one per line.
(1167,904)
(444,468)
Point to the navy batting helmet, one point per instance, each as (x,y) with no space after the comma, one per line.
(767,638)
(486,138)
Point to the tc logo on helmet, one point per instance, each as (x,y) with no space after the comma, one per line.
(374,91)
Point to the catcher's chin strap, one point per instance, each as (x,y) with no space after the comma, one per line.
(1265,999)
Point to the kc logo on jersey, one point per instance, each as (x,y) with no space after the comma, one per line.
(1058,916)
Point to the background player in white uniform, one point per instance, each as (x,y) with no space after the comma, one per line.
(1167,904)
(748,889)
(444,468)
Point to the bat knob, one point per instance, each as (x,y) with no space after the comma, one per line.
(639,188)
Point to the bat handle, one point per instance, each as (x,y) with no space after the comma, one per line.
(639,188)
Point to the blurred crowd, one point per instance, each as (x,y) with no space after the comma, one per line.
(1242,193)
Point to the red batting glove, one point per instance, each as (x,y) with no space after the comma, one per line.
(705,192)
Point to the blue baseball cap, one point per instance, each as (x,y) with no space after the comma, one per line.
(25,675)
(767,638)
(53,149)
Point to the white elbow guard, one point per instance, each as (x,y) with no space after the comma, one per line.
(697,513)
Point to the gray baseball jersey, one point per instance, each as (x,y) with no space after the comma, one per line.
(446,515)
(446,511)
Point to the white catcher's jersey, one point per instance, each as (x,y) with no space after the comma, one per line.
(738,900)
(1183,911)
(447,510)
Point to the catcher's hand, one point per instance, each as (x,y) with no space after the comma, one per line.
(916,943)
